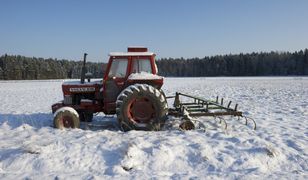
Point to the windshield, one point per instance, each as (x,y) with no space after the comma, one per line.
(118,68)
(142,65)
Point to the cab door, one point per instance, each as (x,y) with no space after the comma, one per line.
(114,82)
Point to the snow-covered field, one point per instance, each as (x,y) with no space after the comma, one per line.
(31,149)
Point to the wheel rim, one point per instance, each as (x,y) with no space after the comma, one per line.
(67,121)
(141,110)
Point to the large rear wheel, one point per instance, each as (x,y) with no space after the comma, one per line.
(141,107)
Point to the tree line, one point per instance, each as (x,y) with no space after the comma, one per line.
(252,64)
(14,67)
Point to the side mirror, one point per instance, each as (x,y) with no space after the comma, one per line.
(88,76)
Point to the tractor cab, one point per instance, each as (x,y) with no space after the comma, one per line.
(137,65)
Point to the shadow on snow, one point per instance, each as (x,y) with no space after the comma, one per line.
(39,120)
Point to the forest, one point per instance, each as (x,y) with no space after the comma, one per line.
(253,64)
(17,67)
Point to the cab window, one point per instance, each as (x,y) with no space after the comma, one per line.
(118,68)
(142,65)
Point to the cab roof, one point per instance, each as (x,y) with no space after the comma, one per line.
(131,54)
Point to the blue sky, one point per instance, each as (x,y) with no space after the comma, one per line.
(170,28)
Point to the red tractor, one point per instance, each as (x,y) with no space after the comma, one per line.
(131,89)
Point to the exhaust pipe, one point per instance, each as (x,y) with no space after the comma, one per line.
(83,70)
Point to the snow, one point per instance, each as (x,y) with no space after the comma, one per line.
(131,54)
(67,109)
(31,149)
(143,75)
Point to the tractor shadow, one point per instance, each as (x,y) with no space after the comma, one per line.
(101,122)
(40,120)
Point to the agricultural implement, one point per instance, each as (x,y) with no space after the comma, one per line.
(197,107)
(131,89)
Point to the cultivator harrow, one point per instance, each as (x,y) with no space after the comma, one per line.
(188,107)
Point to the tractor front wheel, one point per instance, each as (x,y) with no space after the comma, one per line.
(141,107)
(66,117)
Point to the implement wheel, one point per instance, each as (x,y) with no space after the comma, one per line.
(66,117)
(141,107)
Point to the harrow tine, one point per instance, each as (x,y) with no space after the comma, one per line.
(254,122)
(229,104)
(222,120)
(235,108)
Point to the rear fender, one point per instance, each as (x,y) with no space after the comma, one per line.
(57,106)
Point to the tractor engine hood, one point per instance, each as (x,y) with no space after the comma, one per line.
(75,87)
(144,76)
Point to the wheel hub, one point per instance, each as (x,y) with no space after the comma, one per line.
(67,121)
(141,110)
